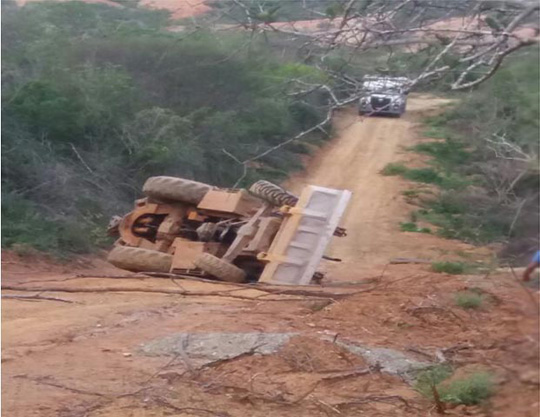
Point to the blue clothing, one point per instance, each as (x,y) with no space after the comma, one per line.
(536,258)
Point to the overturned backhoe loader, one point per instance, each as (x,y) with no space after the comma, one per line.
(265,234)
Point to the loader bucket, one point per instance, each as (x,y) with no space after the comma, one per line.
(303,236)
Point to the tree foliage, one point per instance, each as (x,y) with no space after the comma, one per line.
(96,98)
(490,147)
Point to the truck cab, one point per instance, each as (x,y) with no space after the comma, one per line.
(383,95)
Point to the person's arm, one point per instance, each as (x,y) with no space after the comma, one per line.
(529,270)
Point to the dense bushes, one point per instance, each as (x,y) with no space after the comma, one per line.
(95,99)
(274,10)
(487,152)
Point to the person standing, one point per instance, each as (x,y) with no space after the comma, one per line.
(535,263)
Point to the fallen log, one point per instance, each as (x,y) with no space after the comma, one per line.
(35,298)
(164,291)
(348,374)
(254,286)
(396,261)
(268,287)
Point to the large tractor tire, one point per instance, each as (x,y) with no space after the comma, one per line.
(220,269)
(139,260)
(175,189)
(272,194)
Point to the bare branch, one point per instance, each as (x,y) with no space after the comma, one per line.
(477,45)
(300,135)
(36,297)
(479,41)
(79,157)
(498,58)
(508,150)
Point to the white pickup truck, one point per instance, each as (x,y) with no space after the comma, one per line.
(383,95)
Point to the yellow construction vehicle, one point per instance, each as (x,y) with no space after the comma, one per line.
(265,234)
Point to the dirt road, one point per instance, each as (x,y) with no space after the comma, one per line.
(116,347)
(353,161)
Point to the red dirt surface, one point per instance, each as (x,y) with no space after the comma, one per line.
(107,2)
(82,357)
(179,8)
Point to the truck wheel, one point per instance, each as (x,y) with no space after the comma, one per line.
(175,189)
(220,269)
(272,194)
(139,260)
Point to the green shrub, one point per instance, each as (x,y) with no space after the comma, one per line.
(425,175)
(394,169)
(470,390)
(408,227)
(274,10)
(454,268)
(24,227)
(435,132)
(448,154)
(454,182)
(449,203)
(413,227)
(410,193)
(468,299)
(463,157)
(464,217)
(431,377)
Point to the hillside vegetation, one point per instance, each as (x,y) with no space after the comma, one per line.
(484,159)
(96,99)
